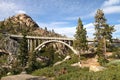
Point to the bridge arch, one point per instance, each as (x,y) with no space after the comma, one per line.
(51,41)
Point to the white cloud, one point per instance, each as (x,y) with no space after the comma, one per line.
(111,6)
(90,29)
(81,16)
(8,9)
(117,28)
(52,25)
(110,2)
(108,6)
(111,9)
(59,27)
(116,34)
(76,17)
(58,23)
(4,6)
(20,11)
(68,31)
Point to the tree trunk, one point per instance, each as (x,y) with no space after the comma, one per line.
(104,47)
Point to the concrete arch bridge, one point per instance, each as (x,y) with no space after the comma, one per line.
(35,43)
(54,41)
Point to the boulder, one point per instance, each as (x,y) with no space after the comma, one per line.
(67,58)
(77,64)
(96,68)
(59,62)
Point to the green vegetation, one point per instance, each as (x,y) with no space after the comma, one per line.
(3,71)
(56,70)
(75,73)
(80,42)
(50,56)
(3,59)
(41,63)
(103,35)
(23,54)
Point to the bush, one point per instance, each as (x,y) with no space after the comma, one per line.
(57,70)
(33,66)
(3,59)
(102,61)
(16,70)
(109,74)
(48,72)
(3,71)
(75,73)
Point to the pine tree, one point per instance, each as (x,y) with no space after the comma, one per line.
(46,29)
(103,34)
(23,54)
(80,42)
(32,62)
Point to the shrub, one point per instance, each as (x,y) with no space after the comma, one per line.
(102,60)
(75,73)
(48,72)
(3,71)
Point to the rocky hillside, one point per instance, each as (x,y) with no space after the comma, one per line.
(16,24)
(19,22)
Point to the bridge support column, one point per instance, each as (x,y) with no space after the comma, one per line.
(70,43)
(31,45)
(28,44)
(34,41)
(39,41)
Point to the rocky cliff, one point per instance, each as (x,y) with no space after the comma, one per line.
(19,22)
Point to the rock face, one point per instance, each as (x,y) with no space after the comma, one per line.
(8,46)
(96,68)
(16,24)
(23,18)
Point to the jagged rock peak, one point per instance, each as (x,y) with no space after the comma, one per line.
(24,18)
(17,23)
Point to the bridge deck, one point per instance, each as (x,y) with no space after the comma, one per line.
(44,38)
(56,38)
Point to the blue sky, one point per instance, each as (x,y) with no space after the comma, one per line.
(62,15)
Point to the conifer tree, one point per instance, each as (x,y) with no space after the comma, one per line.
(103,34)
(80,42)
(32,62)
(23,54)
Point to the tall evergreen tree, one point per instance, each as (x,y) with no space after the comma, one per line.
(23,54)
(103,34)
(80,42)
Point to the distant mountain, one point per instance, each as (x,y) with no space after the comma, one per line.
(19,22)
